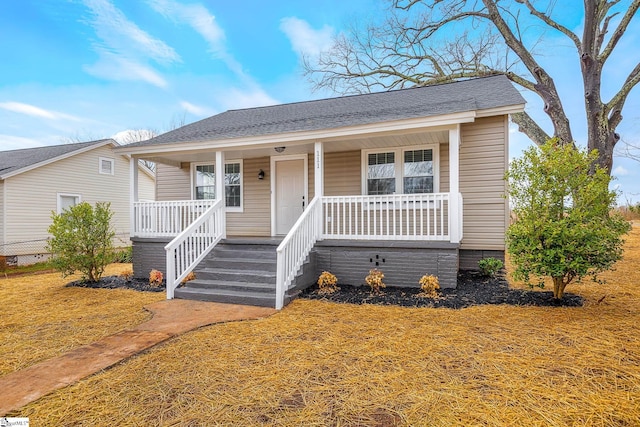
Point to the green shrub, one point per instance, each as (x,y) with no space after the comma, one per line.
(489,267)
(565,227)
(123,255)
(82,240)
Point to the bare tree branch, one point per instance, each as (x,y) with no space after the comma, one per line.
(619,31)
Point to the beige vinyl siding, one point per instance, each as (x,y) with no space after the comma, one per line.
(483,155)
(342,173)
(146,186)
(33,195)
(255,218)
(444,168)
(173,183)
(2,216)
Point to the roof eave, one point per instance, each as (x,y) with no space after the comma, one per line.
(58,158)
(311,135)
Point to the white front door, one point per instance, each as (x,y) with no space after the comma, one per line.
(290,193)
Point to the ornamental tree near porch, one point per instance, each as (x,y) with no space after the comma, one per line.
(564,227)
(82,240)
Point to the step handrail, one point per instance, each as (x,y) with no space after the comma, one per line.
(296,246)
(189,247)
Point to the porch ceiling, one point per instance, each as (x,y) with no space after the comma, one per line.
(333,145)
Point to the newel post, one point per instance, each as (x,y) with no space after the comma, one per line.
(454,185)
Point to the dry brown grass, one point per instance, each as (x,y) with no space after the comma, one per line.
(43,319)
(318,363)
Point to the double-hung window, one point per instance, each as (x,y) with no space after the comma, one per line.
(402,170)
(204,183)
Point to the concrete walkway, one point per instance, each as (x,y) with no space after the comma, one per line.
(170,318)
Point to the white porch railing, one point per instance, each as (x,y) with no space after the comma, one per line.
(388,217)
(166,219)
(193,244)
(296,247)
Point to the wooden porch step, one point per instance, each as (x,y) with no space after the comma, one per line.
(237,275)
(228,296)
(260,264)
(267,288)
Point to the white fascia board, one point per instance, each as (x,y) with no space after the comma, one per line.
(314,135)
(499,111)
(58,158)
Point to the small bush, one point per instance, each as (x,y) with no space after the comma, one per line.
(155,278)
(429,285)
(189,277)
(374,280)
(82,240)
(123,255)
(127,275)
(489,267)
(328,283)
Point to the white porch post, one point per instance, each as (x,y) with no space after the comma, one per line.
(318,169)
(454,185)
(220,193)
(133,193)
(318,180)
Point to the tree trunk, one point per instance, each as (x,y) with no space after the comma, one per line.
(558,287)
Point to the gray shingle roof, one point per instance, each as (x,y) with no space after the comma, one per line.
(468,95)
(13,160)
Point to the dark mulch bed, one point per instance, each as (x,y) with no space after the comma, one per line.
(114,282)
(472,290)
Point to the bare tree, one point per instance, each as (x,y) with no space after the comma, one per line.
(425,42)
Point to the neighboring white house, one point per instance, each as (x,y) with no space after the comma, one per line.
(35,182)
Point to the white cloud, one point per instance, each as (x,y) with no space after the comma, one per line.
(32,110)
(195,15)
(234,98)
(118,68)
(204,23)
(124,47)
(133,135)
(620,171)
(11,142)
(195,109)
(305,40)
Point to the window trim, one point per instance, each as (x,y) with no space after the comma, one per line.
(59,200)
(226,162)
(106,159)
(399,165)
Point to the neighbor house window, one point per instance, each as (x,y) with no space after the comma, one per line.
(66,201)
(107,166)
(205,183)
(403,170)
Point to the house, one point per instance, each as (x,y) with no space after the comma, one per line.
(37,181)
(407,181)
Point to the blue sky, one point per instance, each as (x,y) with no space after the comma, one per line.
(88,69)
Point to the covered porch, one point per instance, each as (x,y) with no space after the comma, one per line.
(328,194)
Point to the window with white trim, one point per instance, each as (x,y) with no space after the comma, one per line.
(67,200)
(204,183)
(402,170)
(107,166)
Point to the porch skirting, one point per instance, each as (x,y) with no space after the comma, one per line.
(148,254)
(403,262)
